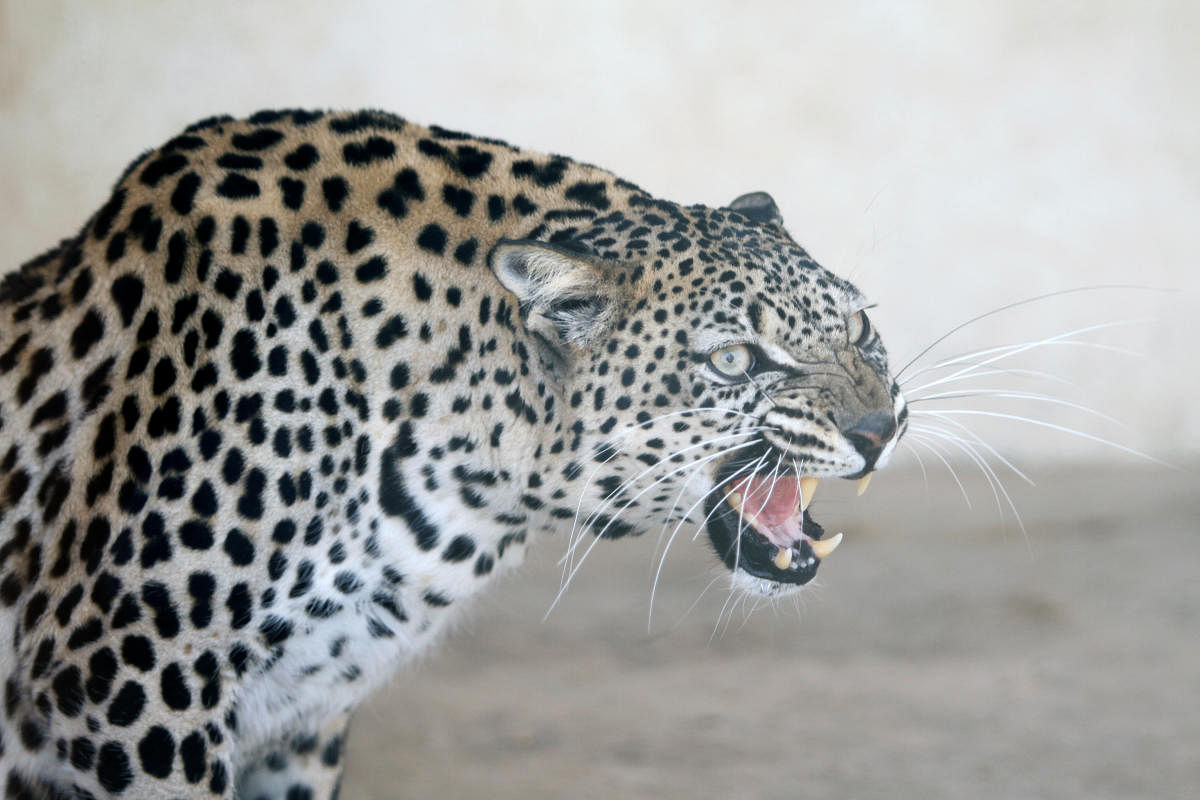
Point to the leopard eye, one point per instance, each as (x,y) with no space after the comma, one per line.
(734,361)
(858,329)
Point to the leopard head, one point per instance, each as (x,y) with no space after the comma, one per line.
(711,372)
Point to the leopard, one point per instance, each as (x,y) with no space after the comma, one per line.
(309,381)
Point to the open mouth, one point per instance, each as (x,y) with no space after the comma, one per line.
(761,525)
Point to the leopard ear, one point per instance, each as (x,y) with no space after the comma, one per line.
(565,295)
(758,206)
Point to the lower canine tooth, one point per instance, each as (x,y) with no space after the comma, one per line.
(862,483)
(783,557)
(735,500)
(808,486)
(823,547)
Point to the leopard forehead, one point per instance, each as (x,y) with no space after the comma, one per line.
(727,277)
(308,381)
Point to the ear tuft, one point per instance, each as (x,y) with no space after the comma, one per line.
(758,206)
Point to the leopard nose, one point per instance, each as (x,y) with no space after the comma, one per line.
(870,435)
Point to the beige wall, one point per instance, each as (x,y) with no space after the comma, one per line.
(947,160)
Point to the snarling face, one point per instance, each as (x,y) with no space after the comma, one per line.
(724,372)
(818,404)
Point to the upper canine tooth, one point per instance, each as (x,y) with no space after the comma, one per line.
(823,547)
(735,500)
(863,482)
(808,486)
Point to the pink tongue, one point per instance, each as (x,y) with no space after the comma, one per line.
(773,506)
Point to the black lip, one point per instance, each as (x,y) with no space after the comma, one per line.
(750,551)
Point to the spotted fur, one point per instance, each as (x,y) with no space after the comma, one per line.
(307,382)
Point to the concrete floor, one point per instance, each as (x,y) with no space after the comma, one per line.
(943,655)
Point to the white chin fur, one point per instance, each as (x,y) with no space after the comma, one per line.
(749,584)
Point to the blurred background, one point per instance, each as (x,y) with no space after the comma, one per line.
(950,159)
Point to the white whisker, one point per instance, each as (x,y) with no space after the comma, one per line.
(737,558)
(720,617)
(630,501)
(1006,371)
(968,448)
(598,535)
(1052,426)
(1004,393)
(920,462)
(696,602)
(970,369)
(573,540)
(997,485)
(703,522)
(671,513)
(759,388)
(974,437)
(917,436)
(750,611)
(1018,303)
(1009,350)
(613,443)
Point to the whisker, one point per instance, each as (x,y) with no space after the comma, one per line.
(1004,393)
(737,599)
(750,611)
(684,518)
(1016,304)
(573,539)
(1052,426)
(598,535)
(932,448)
(992,478)
(974,437)
(696,602)
(970,369)
(612,499)
(987,373)
(1009,350)
(614,442)
(773,479)
(720,616)
(1058,338)
(920,462)
(965,446)
(670,516)
(759,388)
(737,558)
(700,527)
